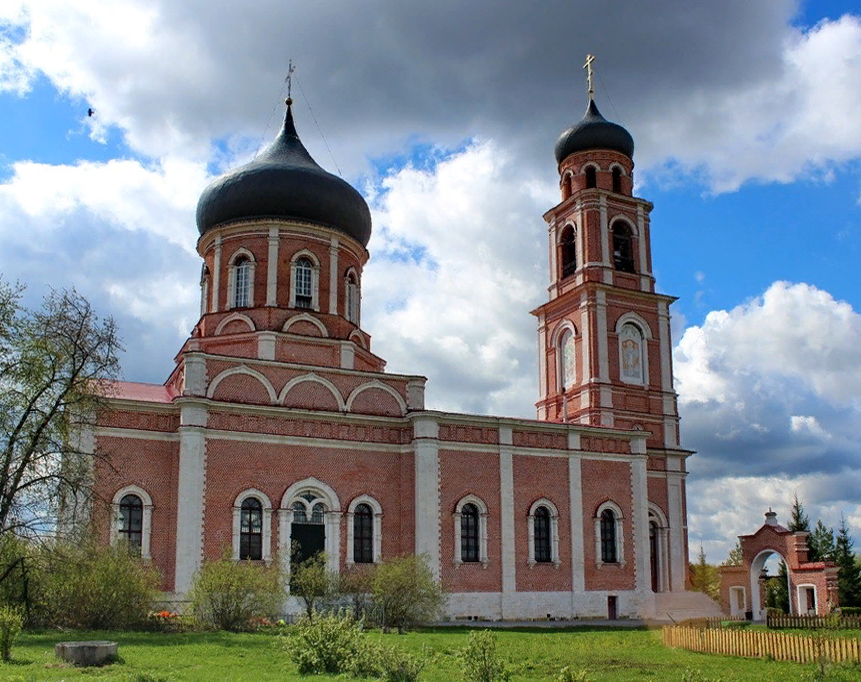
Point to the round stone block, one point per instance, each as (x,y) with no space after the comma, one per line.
(86,653)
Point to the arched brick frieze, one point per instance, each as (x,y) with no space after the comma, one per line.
(310,391)
(242,382)
(375,397)
(306,325)
(234,324)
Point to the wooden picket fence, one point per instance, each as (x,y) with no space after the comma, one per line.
(761,643)
(812,622)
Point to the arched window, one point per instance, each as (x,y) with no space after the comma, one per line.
(251,529)
(623,247)
(568,249)
(131,519)
(591,177)
(303,274)
(567,363)
(608,537)
(609,548)
(543,553)
(241,283)
(617,180)
(364,526)
(352,302)
(566,186)
(363,534)
(469,533)
(632,359)
(130,526)
(299,515)
(543,533)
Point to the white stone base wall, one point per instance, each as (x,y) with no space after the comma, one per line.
(540,605)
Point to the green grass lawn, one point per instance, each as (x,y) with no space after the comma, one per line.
(534,654)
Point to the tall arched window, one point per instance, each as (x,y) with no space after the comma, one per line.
(363,534)
(543,546)
(241,283)
(131,521)
(591,177)
(617,180)
(568,249)
(608,537)
(251,529)
(623,247)
(352,303)
(469,533)
(632,360)
(567,362)
(304,283)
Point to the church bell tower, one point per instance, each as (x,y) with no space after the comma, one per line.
(604,334)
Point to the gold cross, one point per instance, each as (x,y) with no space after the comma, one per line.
(588,66)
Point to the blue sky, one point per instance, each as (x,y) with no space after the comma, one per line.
(747,139)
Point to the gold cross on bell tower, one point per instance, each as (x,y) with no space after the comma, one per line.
(589,73)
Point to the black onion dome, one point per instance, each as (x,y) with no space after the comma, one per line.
(594,132)
(285,182)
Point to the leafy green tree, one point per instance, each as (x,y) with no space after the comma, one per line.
(406,592)
(53,361)
(226,594)
(705,578)
(821,543)
(777,590)
(798,519)
(849,577)
(735,557)
(311,581)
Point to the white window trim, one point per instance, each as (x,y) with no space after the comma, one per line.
(620,545)
(354,314)
(146,518)
(315,279)
(554,532)
(377,528)
(482,530)
(266,553)
(798,593)
(646,335)
(231,278)
(331,520)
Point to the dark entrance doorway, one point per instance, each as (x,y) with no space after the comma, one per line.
(306,540)
(611,608)
(653,548)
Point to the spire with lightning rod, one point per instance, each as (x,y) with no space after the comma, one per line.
(589,73)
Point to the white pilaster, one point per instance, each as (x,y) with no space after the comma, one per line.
(605,232)
(586,345)
(272,269)
(677,540)
(552,236)
(216,275)
(640,523)
(190,494)
(542,358)
(601,319)
(506,520)
(641,234)
(426,444)
(575,502)
(194,376)
(266,345)
(333,277)
(348,354)
(416,394)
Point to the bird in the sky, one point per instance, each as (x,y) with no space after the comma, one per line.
(91,112)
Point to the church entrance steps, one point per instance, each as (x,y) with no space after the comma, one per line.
(679,606)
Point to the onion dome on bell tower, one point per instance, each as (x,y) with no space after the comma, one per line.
(594,132)
(284,182)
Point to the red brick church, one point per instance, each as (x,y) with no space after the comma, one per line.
(280,424)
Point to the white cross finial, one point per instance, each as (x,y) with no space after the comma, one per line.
(289,78)
(588,66)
